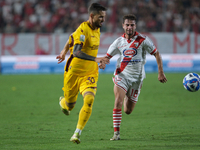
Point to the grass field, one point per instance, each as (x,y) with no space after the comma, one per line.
(166,117)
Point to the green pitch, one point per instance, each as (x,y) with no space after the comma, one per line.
(166,117)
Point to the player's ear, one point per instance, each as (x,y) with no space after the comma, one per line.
(135,25)
(123,25)
(92,15)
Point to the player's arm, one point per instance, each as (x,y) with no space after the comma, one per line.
(112,50)
(161,75)
(61,57)
(80,54)
(150,48)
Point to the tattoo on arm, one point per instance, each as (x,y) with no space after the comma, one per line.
(80,54)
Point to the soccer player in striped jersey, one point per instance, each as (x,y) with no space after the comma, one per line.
(129,74)
(81,69)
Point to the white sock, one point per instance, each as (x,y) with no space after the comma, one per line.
(78,131)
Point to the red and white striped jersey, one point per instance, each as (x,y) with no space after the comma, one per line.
(132,59)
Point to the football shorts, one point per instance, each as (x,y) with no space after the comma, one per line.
(73,84)
(132,89)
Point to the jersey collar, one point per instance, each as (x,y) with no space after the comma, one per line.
(136,33)
(88,22)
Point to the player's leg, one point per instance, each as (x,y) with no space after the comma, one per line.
(88,86)
(85,113)
(66,106)
(86,110)
(131,97)
(129,105)
(70,89)
(119,93)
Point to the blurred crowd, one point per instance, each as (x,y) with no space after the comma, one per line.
(60,16)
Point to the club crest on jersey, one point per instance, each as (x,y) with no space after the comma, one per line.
(136,44)
(130,52)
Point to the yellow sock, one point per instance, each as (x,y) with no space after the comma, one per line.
(85,111)
(63,104)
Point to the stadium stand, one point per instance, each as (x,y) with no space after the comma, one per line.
(61,16)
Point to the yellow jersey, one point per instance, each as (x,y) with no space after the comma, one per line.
(90,40)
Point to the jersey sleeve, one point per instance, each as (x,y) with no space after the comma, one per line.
(113,49)
(149,46)
(80,35)
(71,40)
(71,43)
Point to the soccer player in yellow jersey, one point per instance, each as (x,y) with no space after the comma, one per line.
(81,69)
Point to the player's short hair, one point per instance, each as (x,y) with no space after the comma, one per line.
(129,17)
(95,8)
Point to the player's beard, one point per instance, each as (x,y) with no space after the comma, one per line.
(129,32)
(97,24)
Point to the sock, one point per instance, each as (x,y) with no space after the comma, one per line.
(85,111)
(78,131)
(117,117)
(64,106)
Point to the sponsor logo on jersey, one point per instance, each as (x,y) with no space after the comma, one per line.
(131,52)
(131,62)
(94,47)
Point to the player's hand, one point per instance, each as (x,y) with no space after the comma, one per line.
(61,57)
(102,66)
(103,61)
(162,78)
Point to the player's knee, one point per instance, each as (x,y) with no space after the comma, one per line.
(128,112)
(129,108)
(88,100)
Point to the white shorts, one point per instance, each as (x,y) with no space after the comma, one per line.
(132,89)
